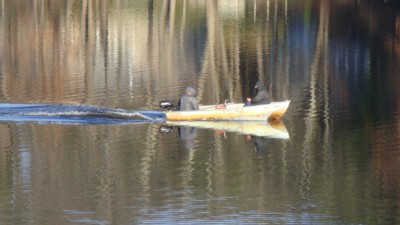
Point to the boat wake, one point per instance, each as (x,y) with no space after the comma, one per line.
(75,114)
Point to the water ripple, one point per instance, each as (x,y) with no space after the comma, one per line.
(81,114)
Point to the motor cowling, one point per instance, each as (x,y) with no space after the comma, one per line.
(167,104)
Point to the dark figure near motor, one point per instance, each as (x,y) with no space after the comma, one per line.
(188,101)
(262,96)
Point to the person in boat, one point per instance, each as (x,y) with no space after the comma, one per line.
(262,96)
(248,102)
(188,101)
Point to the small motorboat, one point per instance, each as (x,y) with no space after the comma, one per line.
(230,112)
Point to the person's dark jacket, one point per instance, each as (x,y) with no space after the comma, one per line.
(262,96)
(188,101)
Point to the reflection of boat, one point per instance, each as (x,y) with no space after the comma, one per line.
(230,111)
(272,128)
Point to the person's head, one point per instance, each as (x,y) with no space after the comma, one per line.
(190,91)
(260,85)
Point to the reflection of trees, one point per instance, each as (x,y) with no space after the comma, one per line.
(75,50)
(318,75)
(214,72)
(100,52)
(385,142)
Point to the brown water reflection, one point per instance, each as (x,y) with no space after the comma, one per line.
(336,61)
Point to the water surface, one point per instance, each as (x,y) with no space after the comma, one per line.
(338,63)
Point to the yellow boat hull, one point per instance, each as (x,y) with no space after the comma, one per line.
(232,112)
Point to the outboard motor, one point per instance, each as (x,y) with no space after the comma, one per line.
(167,104)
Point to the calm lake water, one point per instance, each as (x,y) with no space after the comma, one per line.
(337,61)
